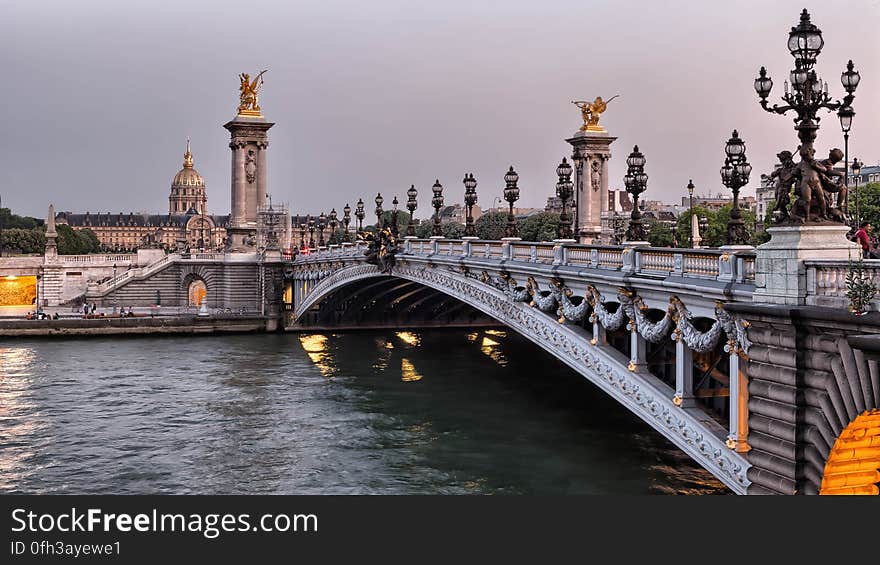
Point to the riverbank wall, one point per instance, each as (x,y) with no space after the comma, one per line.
(104,326)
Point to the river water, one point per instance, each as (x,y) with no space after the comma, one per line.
(382,412)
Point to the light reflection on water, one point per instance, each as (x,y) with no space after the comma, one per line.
(367,412)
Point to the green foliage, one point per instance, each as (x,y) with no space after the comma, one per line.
(491,225)
(453,230)
(76,242)
(860,287)
(21,240)
(868,198)
(539,227)
(424,229)
(716,233)
(659,233)
(402,220)
(8,220)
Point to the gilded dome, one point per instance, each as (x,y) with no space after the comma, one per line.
(188,176)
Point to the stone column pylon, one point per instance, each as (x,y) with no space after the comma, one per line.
(591,153)
(249,142)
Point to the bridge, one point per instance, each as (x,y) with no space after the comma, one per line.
(771,399)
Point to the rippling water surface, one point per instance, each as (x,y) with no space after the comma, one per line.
(447,412)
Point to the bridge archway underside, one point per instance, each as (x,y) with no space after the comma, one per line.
(490,291)
(386,301)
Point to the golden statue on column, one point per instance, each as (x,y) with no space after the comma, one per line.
(590,112)
(249,105)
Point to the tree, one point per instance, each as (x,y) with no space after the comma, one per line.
(868,197)
(21,240)
(10,220)
(659,233)
(716,232)
(491,225)
(424,229)
(402,220)
(539,227)
(76,242)
(452,230)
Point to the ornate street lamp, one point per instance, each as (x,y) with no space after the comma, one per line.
(394,211)
(690,188)
(735,175)
(564,190)
(511,194)
(636,181)
(311,222)
(379,220)
(411,205)
(334,222)
(437,203)
(845,114)
(322,225)
(808,93)
(302,237)
(470,198)
(360,215)
(856,171)
(346,219)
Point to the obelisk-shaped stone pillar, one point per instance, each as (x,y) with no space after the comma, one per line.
(591,153)
(249,142)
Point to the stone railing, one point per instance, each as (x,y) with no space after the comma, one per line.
(707,264)
(104,259)
(826,281)
(114,282)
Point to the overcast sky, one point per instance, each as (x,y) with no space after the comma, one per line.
(99,97)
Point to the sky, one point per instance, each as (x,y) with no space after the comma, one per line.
(100,96)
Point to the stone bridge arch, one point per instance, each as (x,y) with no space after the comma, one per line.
(606,368)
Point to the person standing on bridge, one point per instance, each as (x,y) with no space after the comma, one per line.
(863,239)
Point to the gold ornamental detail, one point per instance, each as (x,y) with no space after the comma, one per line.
(590,112)
(248,89)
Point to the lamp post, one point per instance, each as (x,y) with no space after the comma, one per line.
(322,225)
(808,93)
(346,219)
(302,237)
(437,203)
(311,222)
(334,222)
(636,181)
(511,194)
(115,284)
(470,198)
(394,211)
(690,188)
(360,214)
(564,190)
(845,114)
(735,175)
(411,205)
(856,170)
(379,222)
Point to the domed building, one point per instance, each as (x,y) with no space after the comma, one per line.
(187,226)
(188,189)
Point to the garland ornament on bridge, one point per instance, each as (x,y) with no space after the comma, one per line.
(631,309)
